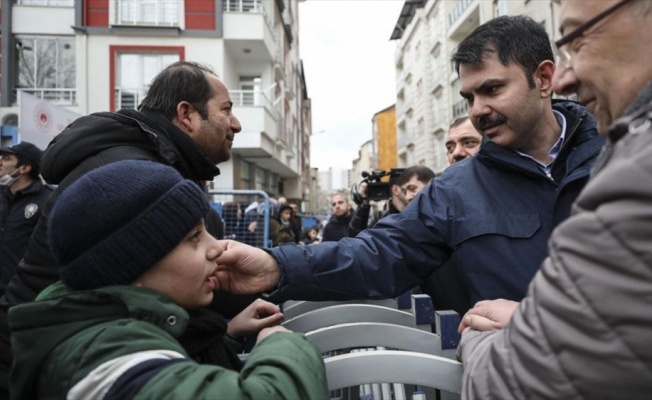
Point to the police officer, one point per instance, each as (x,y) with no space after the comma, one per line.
(22,196)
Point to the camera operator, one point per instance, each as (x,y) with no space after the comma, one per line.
(404,185)
(372,189)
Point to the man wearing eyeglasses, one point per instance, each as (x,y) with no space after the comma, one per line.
(583,330)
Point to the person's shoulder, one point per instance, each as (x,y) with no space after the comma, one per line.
(461,170)
(573,109)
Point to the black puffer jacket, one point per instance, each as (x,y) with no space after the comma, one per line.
(88,143)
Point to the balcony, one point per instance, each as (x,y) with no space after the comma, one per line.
(260,123)
(157,13)
(46,3)
(129,97)
(61,97)
(249,33)
(463,19)
(250,98)
(459,109)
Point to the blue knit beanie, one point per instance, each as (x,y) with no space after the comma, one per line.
(117,221)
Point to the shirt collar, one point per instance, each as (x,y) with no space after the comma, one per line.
(556,148)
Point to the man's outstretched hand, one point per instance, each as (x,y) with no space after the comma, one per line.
(244,269)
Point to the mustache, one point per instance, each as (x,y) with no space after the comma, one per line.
(488,121)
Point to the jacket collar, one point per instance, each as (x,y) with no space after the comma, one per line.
(33,187)
(581,127)
(185,155)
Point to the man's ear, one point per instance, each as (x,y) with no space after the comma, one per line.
(543,78)
(184,117)
(25,169)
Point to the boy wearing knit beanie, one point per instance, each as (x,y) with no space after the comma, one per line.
(135,260)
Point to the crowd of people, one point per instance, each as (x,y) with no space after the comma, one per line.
(246,223)
(115,284)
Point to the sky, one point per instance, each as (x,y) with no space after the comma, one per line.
(349,67)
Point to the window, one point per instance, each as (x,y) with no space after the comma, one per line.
(245,175)
(134,73)
(147,12)
(249,93)
(421,126)
(46,67)
(438,111)
(261,181)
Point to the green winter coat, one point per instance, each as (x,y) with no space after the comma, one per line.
(119,342)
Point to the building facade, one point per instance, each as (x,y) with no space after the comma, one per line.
(384,139)
(364,162)
(99,55)
(427,86)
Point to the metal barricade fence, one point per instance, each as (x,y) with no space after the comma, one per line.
(246,215)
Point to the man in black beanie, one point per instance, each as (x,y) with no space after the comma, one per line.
(185,121)
(130,275)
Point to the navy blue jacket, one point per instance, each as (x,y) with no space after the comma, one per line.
(492,214)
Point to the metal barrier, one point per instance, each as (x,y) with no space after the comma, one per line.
(246,215)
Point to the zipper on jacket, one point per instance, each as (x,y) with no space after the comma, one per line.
(567,140)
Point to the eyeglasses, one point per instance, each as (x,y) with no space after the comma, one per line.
(564,54)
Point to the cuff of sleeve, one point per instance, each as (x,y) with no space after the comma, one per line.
(293,275)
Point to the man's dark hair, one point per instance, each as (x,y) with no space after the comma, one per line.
(181,81)
(423,174)
(34,172)
(516,39)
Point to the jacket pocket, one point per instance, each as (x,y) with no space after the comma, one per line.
(469,226)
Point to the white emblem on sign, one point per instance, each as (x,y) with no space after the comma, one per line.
(30,210)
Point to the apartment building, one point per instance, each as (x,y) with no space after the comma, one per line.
(99,55)
(383,132)
(364,162)
(427,86)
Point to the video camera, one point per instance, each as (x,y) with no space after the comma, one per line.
(376,189)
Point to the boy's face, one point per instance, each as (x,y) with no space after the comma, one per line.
(186,274)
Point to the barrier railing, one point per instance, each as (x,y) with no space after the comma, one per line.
(246,215)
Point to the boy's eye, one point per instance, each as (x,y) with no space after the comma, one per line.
(195,236)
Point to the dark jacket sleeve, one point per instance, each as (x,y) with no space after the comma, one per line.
(360,220)
(378,263)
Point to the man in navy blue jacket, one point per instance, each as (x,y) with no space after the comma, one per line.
(491,214)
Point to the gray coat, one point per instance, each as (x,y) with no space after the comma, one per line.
(584,329)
